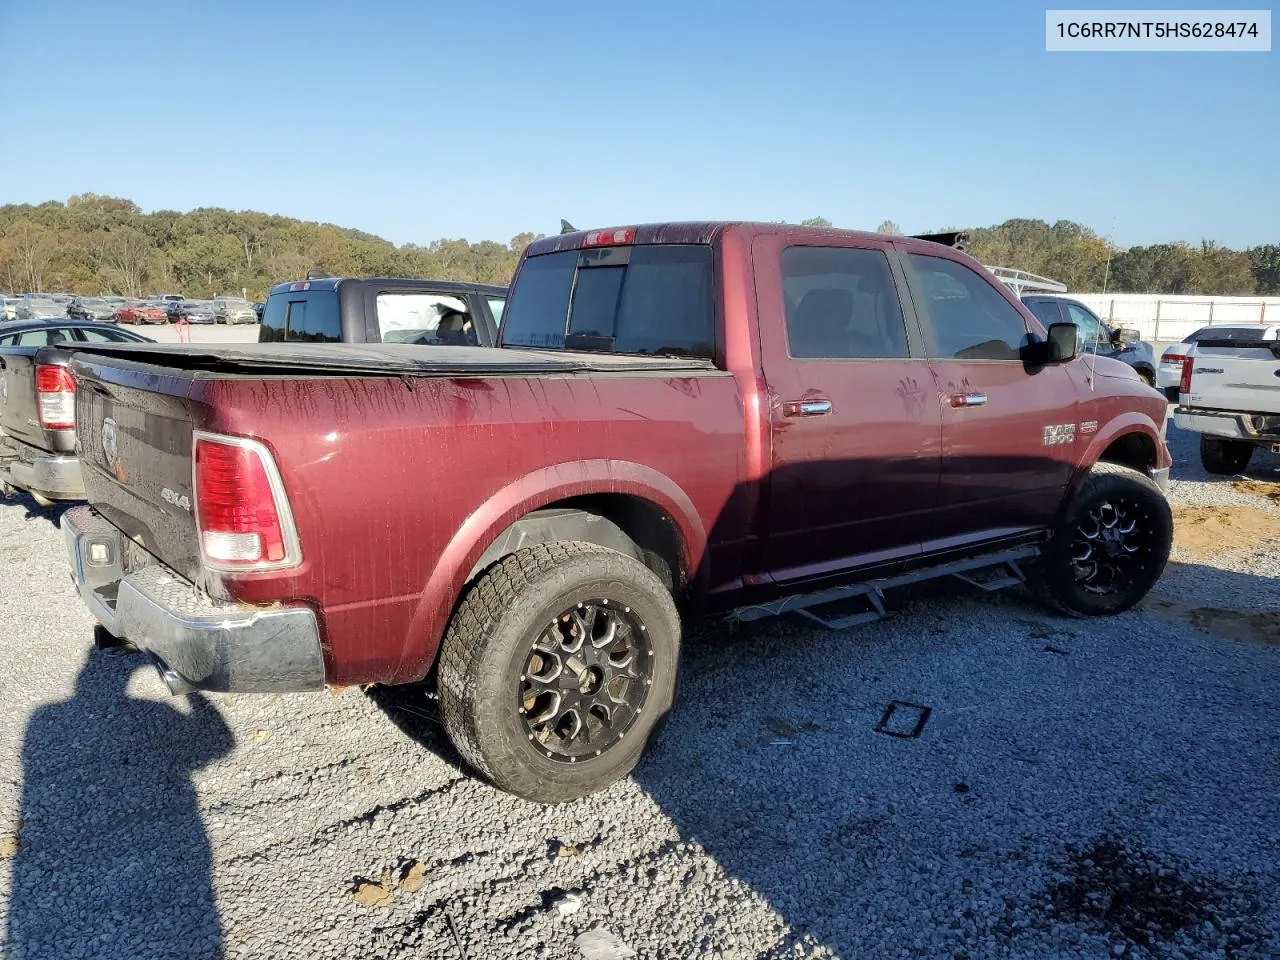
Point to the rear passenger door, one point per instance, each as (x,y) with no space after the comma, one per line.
(856,429)
(1008,429)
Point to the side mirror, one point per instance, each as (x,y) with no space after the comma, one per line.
(1128,335)
(1062,342)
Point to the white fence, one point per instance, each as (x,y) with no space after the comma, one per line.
(1162,317)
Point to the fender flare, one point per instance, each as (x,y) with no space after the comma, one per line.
(1129,422)
(529,493)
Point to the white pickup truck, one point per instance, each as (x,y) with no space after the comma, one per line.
(1230,395)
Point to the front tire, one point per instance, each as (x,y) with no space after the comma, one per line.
(1110,546)
(1224,457)
(556,669)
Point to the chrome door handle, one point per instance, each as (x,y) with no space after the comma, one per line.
(968,399)
(806,408)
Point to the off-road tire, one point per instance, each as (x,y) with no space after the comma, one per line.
(487,644)
(1054,578)
(1225,457)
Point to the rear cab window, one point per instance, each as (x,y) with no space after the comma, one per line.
(310,316)
(648,299)
(425,318)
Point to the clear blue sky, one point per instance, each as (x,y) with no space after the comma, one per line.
(417,120)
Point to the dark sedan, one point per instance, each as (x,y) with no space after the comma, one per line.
(92,308)
(194,311)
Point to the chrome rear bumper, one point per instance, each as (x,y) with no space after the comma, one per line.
(55,476)
(198,644)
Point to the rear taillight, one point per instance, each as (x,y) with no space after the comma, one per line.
(242,513)
(55,397)
(1174,358)
(609,238)
(1188,363)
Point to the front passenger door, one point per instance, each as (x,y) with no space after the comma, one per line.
(1005,462)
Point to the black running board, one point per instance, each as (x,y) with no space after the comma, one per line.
(841,607)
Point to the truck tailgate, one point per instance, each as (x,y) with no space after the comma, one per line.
(19,415)
(134,432)
(1237,377)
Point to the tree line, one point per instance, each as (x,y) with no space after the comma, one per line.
(98,244)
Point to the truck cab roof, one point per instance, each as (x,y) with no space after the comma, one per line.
(708,231)
(436,286)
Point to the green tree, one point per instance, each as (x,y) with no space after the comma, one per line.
(889,227)
(1264,264)
(31,246)
(816,222)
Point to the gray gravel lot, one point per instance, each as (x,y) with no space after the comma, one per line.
(1094,789)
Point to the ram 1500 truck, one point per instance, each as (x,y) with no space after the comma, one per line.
(699,417)
(1229,395)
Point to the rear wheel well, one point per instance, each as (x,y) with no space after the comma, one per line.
(1135,450)
(628,524)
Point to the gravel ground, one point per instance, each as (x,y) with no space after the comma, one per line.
(1079,789)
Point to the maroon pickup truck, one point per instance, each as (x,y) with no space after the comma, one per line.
(705,417)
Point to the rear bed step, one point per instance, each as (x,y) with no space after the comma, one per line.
(848,606)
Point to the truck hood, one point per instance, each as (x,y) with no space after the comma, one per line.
(380,359)
(1115,369)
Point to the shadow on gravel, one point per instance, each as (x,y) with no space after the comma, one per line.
(1035,813)
(416,714)
(33,510)
(112,857)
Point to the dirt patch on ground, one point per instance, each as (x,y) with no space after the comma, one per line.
(1252,627)
(1210,530)
(1258,488)
(1255,627)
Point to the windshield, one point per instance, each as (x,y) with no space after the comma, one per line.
(653,299)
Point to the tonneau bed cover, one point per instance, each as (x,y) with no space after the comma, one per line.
(382,359)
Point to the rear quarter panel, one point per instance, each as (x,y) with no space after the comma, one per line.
(398,487)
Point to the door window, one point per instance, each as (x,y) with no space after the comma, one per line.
(93,335)
(1046,311)
(44,337)
(1090,333)
(841,303)
(429,318)
(969,318)
(495,307)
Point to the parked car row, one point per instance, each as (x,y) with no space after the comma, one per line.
(164,308)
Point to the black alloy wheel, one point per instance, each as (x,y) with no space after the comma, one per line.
(585,680)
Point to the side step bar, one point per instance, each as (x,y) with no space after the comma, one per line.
(857,603)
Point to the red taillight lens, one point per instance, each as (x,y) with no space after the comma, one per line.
(241,513)
(55,397)
(609,238)
(1173,358)
(1188,363)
